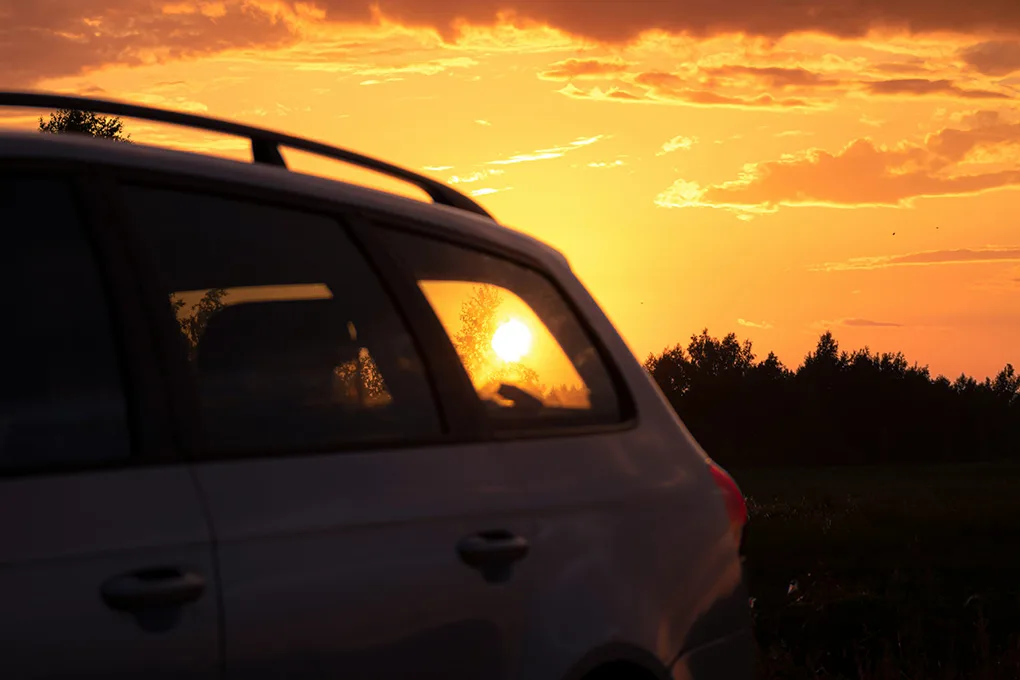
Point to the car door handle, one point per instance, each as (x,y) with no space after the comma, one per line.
(493,553)
(152,588)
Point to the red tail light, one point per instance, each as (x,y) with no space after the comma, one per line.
(736,508)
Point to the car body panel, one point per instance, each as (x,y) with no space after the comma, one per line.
(630,546)
(63,537)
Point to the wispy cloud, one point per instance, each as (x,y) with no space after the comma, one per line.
(483,122)
(474,176)
(570,69)
(921,86)
(550,153)
(485,191)
(989,254)
(857,323)
(754,324)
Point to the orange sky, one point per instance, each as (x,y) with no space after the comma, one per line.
(770,168)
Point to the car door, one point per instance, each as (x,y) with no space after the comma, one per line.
(613,516)
(106,565)
(344,508)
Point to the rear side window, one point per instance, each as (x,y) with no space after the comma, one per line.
(526,353)
(61,398)
(292,343)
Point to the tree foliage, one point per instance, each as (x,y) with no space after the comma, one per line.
(85,122)
(479,319)
(193,320)
(837,407)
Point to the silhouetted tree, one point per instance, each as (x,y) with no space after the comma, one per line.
(85,122)
(837,408)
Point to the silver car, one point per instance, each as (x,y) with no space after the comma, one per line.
(260,424)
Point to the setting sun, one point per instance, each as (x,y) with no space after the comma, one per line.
(512,340)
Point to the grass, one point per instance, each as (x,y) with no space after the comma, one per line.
(885,572)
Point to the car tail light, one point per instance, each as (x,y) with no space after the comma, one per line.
(736,508)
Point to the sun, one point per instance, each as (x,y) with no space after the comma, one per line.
(512,340)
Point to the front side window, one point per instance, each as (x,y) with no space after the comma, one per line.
(525,351)
(292,343)
(61,396)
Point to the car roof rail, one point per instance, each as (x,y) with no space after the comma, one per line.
(265,144)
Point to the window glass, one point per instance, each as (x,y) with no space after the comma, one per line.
(291,340)
(61,398)
(526,353)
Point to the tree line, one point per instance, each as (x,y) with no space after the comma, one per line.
(836,408)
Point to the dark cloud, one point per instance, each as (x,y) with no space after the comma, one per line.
(53,38)
(994,58)
(616,21)
(773,76)
(669,86)
(47,38)
(921,86)
(581,68)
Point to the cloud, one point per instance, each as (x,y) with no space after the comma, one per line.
(548,154)
(994,58)
(486,191)
(774,76)
(623,21)
(68,37)
(667,88)
(677,143)
(868,323)
(583,68)
(986,255)
(483,122)
(427,68)
(474,176)
(951,162)
(920,86)
(607,164)
(857,323)
(754,324)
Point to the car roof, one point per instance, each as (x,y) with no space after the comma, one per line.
(77,148)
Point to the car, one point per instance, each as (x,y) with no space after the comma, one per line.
(256,423)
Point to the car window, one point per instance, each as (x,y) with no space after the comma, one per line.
(525,351)
(292,343)
(61,393)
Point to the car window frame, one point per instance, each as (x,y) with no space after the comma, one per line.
(149,430)
(452,408)
(366,221)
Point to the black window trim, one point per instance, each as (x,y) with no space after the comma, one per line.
(628,416)
(455,407)
(463,413)
(450,408)
(148,430)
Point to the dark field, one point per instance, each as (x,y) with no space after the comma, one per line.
(906,572)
